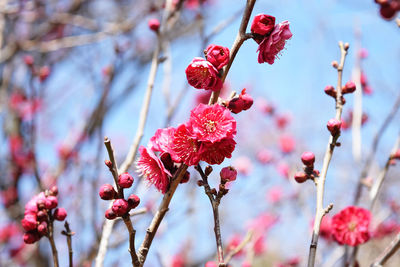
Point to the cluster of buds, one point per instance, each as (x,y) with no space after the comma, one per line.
(40,212)
(308,159)
(227,174)
(120,206)
(41,72)
(348,88)
(239,103)
(388,8)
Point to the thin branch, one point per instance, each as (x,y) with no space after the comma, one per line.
(375,142)
(240,38)
(387,253)
(373,194)
(67,232)
(320,182)
(237,249)
(50,236)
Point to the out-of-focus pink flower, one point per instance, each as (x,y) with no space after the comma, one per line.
(154,24)
(215,153)
(262,223)
(351,226)
(265,156)
(325,230)
(282,120)
(178,261)
(385,229)
(363,53)
(283,169)
(286,143)
(217,55)
(243,165)
(292,262)
(259,245)
(265,107)
(274,195)
(233,242)
(201,74)
(272,45)
(210,264)
(9,231)
(185,146)
(153,169)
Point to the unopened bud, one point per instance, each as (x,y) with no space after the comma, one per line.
(108,163)
(300,177)
(208,170)
(330,90)
(334,126)
(125,180)
(348,88)
(346,46)
(308,158)
(335,64)
(110,215)
(107,192)
(228,174)
(154,24)
(133,201)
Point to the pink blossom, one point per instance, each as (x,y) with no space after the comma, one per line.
(264,156)
(274,195)
(153,169)
(177,261)
(351,226)
(243,165)
(263,24)
(217,55)
(273,44)
(283,169)
(259,245)
(233,242)
(185,146)
(212,123)
(215,153)
(286,143)
(201,74)
(262,223)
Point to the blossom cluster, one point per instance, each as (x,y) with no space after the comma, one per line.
(120,206)
(207,136)
(270,37)
(40,212)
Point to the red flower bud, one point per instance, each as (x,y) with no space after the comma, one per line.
(185,178)
(201,74)
(308,158)
(125,180)
(334,126)
(217,55)
(41,204)
(120,207)
(60,214)
(42,216)
(300,177)
(387,11)
(44,72)
(31,237)
(107,192)
(42,228)
(236,105)
(263,24)
(28,59)
(110,215)
(51,202)
(108,163)
(396,155)
(54,191)
(247,99)
(29,222)
(330,90)
(133,201)
(228,174)
(348,88)
(154,24)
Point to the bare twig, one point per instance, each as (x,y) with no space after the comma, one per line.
(67,232)
(387,253)
(320,182)
(237,249)
(50,236)
(375,142)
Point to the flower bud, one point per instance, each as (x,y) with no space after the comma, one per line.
(44,72)
(300,177)
(125,180)
(110,215)
(42,216)
(29,222)
(107,192)
(108,163)
(217,55)
(31,237)
(348,88)
(334,126)
(120,207)
(42,228)
(28,59)
(185,178)
(54,191)
(51,202)
(208,170)
(133,201)
(396,155)
(154,24)
(263,24)
(41,204)
(330,90)
(236,105)
(308,158)
(247,100)
(335,64)
(60,214)
(228,174)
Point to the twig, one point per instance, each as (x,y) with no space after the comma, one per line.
(387,253)
(161,211)
(215,199)
(51,240)
(375,142)
(67,232)
(240,38)
(237,249)
(373,194)
(320,183)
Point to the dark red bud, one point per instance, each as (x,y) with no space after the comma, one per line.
(308,158)
(300,177)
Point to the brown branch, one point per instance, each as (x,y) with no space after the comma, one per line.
(387,253)
(67,232)
(161,211)
(50,236)
(214,201)
(239,247)
(320,182)
(240,38)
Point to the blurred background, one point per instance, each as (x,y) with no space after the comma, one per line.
(74,71)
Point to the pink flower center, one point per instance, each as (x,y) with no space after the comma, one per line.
(210,126)
(352,226)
